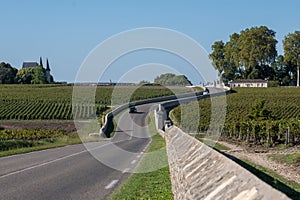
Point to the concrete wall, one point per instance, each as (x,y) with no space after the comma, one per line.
(173,99)
(199,172)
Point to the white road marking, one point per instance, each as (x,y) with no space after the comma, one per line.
(126,170)
(51,161)
(138,156)
(132,162)
(111,184)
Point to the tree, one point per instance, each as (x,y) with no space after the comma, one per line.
(232,69)
(257,47)
(172,79)
(291,44)
(7,73)
(24,76)
(218,56)
(38,76)
(144,82)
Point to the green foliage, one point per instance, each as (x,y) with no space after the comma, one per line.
(34,75)
(7,73)
(259,111)
(291,44)
(246,55)
(39,75)
(218,56)
(143,82)
(273,84)
(172,79)
(257,47)
(253,114)
(12,139)
(24,76)
(290,159)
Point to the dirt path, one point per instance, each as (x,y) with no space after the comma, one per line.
(290,172)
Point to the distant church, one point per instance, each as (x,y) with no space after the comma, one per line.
(49,78)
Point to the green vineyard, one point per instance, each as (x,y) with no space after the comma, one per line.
(54,102)
(282,124)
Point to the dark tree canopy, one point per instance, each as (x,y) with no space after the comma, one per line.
(7,73)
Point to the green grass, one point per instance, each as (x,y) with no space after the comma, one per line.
(44,144)
(210,143)
(152,185)
(289,159)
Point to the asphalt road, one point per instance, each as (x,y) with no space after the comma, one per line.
(90,171)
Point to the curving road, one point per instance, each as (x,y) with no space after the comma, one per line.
(92,171)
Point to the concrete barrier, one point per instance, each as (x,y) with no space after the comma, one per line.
(199,172)
(105,129)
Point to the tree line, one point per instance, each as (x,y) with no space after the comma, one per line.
(252,54)
(33,75)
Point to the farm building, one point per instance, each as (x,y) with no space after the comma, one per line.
(249,83)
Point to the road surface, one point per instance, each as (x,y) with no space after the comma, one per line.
(92,171)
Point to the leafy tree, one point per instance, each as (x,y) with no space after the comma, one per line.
(232,70)
(24,76)
(218,56)
(172,79)
(38,76)
(246,55)
(144,82)
(257,47)
(291,45)
(33,75)
(7,73)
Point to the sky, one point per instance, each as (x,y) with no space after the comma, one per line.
(66,31)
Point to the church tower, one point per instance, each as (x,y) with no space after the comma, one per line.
(41,62)
(48,75)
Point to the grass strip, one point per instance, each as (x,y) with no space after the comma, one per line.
(58,142)
(290,159)
(152,185)
(213,144)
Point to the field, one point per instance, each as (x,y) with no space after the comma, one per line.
(54,102)
(41,115)
(281,124)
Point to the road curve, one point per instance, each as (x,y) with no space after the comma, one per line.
(92,171)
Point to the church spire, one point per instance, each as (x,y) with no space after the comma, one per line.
(41,62)
(47,65)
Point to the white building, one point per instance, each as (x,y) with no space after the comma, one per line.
(249,83)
